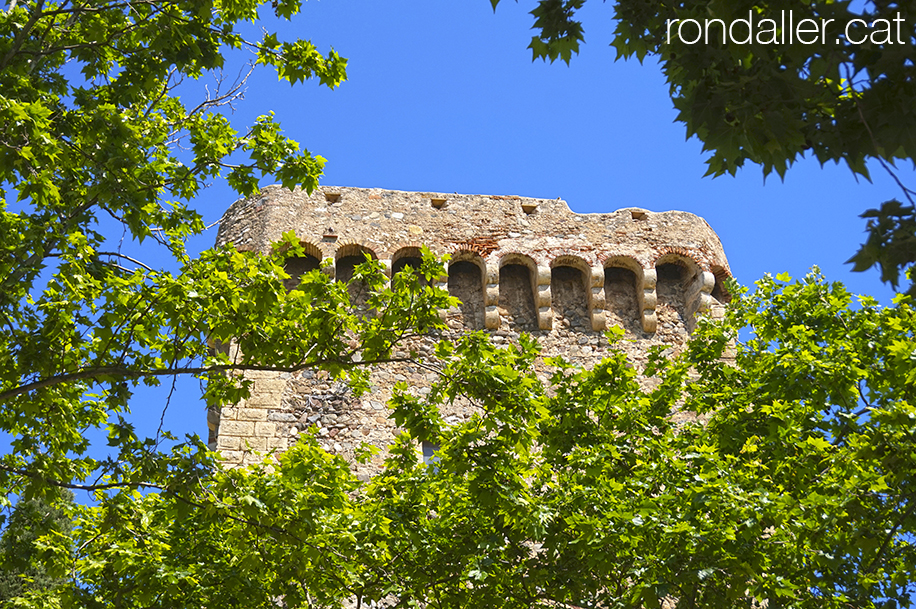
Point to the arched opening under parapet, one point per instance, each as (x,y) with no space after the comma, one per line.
(569,294)
(406,257)
(516,292)
(719,292)
(621,297)
(348,257)
(674,277)
(297,266)
(466,283)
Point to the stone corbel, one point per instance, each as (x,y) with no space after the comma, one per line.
(648,300)
(491,297)
(597,300)
(543,298)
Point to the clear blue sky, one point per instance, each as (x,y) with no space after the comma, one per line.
(443,96)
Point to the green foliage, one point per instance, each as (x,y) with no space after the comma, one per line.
(23,569)
(846,96)
(790,483)
(92,131)
(891,243)
(794,485)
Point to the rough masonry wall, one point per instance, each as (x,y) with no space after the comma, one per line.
(518,265)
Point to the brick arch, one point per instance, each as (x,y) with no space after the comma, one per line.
(678,288)
(469,255)
(719,291)
(624,261)
(720,272)
(404,256)
(679,256)
(691,269)
(347,257)
(311,249)
(572,260)
(354,248)
(506,258)
(410,249)
(299,265)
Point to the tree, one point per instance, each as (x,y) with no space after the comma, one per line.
(792,486)
(21,570)
(93,131)
(795,485)
(751,92)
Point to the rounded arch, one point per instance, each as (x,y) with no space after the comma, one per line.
(409,255)
(471,256)
(407,251)
(345,250)
(298,265)
(677,293)
(508,258)
(347,257)
(691,266)
(571,260)
(311,249)
(719,291)
(623,261)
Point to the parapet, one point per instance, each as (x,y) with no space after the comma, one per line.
(492,232)
(517,264)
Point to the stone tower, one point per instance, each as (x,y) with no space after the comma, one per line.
(517,265)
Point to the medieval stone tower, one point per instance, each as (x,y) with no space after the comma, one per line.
(517,265)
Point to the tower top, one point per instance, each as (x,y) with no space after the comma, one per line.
(516,264)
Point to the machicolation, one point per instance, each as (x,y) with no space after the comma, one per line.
(517,265)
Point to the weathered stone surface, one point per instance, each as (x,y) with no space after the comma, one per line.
(229,427)
(228,443)
(517,264)
(252,414)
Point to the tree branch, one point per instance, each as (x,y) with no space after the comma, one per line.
(126,372)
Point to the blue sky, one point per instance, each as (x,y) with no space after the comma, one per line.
(443,96)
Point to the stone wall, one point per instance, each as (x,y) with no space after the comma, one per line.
(518,265)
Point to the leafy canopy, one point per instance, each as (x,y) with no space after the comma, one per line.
(795,486)
(97,148)
(792,486)
(21,565)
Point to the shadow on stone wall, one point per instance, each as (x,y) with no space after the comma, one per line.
(466,284)
(296,267)
(569,299)
(516,297)
(671,309)
(620,295)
